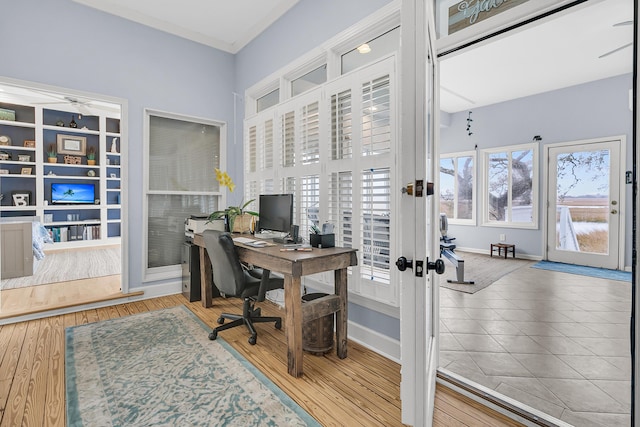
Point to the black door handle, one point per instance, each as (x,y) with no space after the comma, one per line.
(402,263)
(437,265)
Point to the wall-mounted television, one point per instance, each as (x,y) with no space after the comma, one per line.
(63,193)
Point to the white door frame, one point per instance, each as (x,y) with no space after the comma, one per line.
(621,198)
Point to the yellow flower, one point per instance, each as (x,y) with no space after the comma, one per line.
(225,180)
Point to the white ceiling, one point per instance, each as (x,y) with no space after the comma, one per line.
(224,24)
(559,52)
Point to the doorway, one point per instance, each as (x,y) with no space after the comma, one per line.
(584,204)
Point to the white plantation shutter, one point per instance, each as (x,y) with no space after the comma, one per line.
(376,111)
(267,145)
(267,186)
(375,224)
(309,202)
(251,193)
(252,152)
(289,187)
(288,140)
(333,149)
(310,133)
(341,126)
(341,207)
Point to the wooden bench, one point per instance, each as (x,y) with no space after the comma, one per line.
(506,246)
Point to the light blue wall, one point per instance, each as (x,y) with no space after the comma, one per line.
(587,111)
(62,43)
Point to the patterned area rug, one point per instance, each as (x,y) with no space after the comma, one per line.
(160,369)
(603,273)
(481,269)
(69,265)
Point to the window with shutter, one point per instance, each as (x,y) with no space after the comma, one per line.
(341,130)
(267,145)
(251,149)
(341,207)
(375,224)
(376,129)
(288,140)
(309,202)
(310,133)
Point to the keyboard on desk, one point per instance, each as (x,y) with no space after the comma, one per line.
(269,235)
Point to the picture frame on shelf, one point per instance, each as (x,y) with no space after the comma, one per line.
(29,143)
(7,114)
(4,171)
(71,144)
(21,197)
(25,171)
(24,158)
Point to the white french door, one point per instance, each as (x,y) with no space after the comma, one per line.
(419,240)
(585,207)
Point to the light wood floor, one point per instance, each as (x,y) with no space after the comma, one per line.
(52,296)
(363,389)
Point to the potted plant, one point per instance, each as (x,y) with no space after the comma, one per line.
(91,156)
(52,156)
(238,219)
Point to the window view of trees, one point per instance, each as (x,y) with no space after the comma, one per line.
(457,182)
(510,178)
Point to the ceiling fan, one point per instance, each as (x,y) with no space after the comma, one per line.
(624,46)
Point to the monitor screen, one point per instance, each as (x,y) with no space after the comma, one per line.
(72,194)
(276,212)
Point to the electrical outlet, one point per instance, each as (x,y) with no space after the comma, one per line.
(503,237)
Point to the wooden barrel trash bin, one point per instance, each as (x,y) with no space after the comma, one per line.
(317,334)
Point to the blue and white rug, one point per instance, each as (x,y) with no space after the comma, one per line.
(602,273)
(160,369)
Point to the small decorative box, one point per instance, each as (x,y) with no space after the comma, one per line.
(322,240)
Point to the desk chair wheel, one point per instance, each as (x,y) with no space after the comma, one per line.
(278,324)
(253,340)
(220,320)
(213,335)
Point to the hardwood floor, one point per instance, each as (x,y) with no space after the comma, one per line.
(52,296)
(363,389)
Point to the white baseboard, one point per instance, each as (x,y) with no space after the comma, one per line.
(375,341)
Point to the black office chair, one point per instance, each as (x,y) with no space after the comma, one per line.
(233,280)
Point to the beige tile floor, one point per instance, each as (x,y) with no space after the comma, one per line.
(557,342)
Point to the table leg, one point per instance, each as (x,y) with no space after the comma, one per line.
(293,324)
(340,284)
(206,278)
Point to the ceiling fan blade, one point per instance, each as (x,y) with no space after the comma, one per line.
(615,50)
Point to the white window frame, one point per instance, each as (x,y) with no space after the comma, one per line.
(533,224)
(473,155)
(172,271)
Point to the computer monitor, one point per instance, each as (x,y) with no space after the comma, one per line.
(276,212)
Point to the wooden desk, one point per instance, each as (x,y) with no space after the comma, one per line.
(293,265)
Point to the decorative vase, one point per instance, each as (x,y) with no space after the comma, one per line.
(52,159)
(91,162)
(242,223)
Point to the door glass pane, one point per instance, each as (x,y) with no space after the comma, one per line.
(582,214)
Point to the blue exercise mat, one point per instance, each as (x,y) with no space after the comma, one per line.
(602,273)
